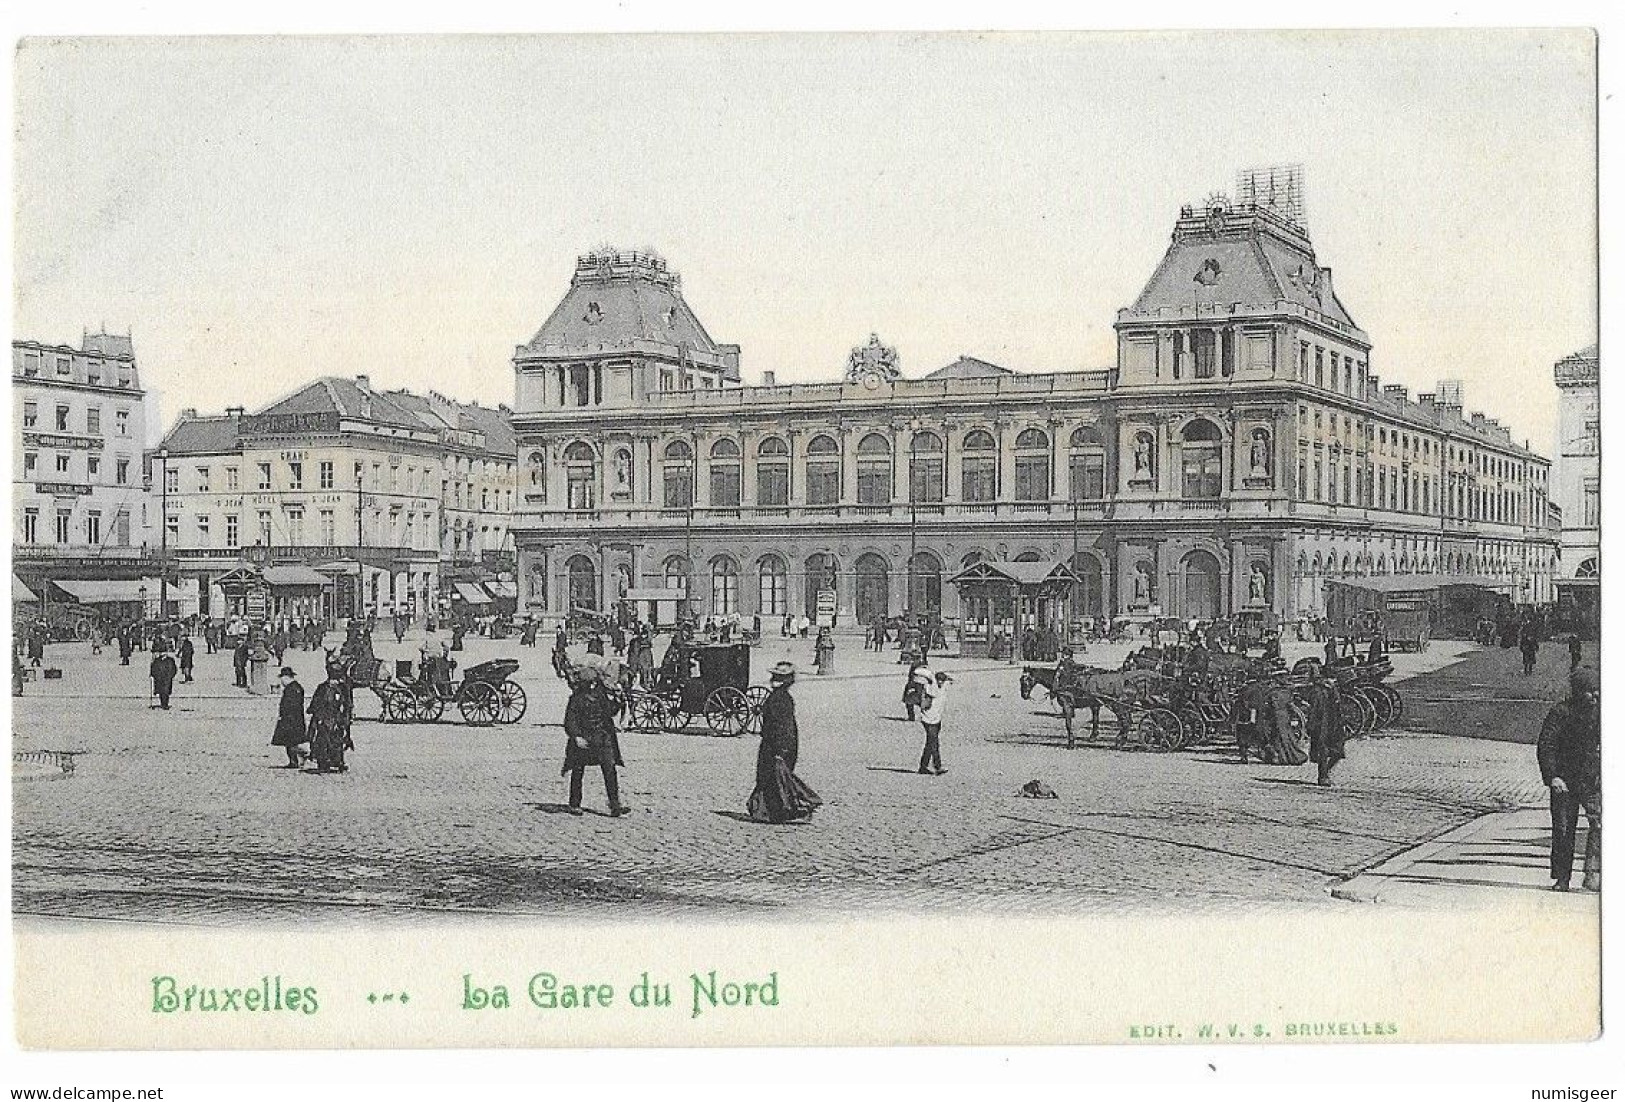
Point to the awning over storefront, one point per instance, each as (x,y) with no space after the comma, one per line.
(88,592)
(501,589)
(1417,583)
(279,577)
(472,593)
(20,592)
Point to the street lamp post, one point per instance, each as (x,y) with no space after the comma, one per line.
(1072,612)
(163,553)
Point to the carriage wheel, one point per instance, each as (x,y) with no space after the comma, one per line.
(676,718)
(757,695)
(1396,703)
(1158,729)
(397,706)
(1192,729)
(647,712)
(478,703)
(727,711)
(1357,716)
(510,702)
(429,708)
(1380,705)
(1303,667)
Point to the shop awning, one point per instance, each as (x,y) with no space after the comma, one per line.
(472,593)
(20,592)
(98,592)
(1417,583)
(279,576)
(501,588)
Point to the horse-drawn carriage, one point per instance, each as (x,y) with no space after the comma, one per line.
(712,680)
(1161,702)
(487,693)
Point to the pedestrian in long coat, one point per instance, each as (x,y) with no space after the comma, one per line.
(589,734)
(329,723)
(239,663)
(1326,735)
(185,655)
(1570,757)
(162,672)
(1529,644)
(290,731)
(125,647)
(824,652)
(780,796)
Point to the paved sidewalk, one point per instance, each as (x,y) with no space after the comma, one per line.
(1497,858)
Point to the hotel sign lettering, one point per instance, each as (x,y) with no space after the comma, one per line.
(290,424)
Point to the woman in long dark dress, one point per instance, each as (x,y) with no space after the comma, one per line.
(290,719)
(329,722)
(780,796)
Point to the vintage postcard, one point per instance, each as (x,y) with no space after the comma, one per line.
(862,539)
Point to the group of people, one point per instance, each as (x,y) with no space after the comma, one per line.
(591,741)
(326,731)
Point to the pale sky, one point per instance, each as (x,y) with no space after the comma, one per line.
(259,212)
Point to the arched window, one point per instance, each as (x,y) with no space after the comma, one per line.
(979,467)
(1200,458)
(1029,556)
(874,470)
(581,477)
(1087,466)
(925,470)
(1303,564)
(772,587)
(873,588)
(724,586)
(583,582)
(925,583)
(1032,466)
(823,472)
(1347,565)
(725,475)
(772,472)
(1382,564)
(676,573)
(677,475)
(1587,569)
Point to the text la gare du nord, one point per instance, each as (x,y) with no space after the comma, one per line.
(704,992)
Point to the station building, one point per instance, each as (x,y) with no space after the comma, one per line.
(1240,451)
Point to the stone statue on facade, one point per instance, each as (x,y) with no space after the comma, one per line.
(1261,454)
(1142,456)
(1256,586)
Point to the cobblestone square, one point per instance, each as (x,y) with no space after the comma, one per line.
(184,816)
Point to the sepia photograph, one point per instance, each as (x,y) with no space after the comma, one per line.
(809,519)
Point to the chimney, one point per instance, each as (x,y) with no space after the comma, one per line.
(233,411)
(1394,390)
(363,382)
(188,414)
(769,378)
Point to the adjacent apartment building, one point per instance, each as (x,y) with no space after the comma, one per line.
(1579,486)
(390,497)
(1240,451)
(77,451)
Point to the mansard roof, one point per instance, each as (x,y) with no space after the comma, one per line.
(1231,258)
(617,299)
